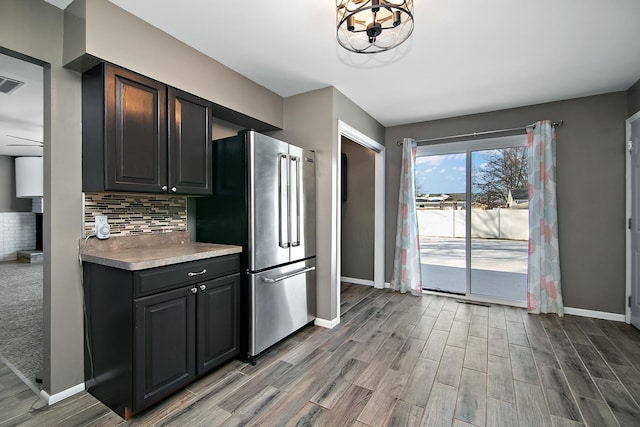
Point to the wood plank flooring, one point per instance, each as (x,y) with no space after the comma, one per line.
(398,360)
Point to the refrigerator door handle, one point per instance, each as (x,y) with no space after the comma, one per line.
(288,276)
(294,217)
(283,201)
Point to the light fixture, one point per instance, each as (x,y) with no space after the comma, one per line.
(29,177)
(371,26)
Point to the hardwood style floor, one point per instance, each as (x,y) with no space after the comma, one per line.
(399,360)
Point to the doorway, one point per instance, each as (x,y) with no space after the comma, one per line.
(633,214)
(472,202)
(358,213)
(345,130)
(21,212)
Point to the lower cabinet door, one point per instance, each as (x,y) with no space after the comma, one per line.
(164,343)
(218,321)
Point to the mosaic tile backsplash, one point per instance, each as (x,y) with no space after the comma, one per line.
(136,213)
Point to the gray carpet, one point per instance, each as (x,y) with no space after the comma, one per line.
(21,316)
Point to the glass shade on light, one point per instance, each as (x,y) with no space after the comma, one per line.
(29,177)
(371,26)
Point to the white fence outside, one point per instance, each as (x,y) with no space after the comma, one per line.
(508,224)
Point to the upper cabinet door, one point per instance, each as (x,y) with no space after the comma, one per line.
(190,160)
(136,132)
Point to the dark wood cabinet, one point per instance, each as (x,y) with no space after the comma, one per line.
(141,135)
(151,332)
(190,168)
(135,132)
(218,302)
(164,338)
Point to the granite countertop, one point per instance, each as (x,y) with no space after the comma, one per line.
(140,252)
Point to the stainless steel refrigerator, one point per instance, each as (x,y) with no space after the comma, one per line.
(264,200)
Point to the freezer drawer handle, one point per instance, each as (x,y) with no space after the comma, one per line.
(199,273)
(286,276)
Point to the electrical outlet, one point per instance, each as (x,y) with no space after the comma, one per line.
(102,230)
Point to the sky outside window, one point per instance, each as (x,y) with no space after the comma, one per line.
(441,174)
(445,173)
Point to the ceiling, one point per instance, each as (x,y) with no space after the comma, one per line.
(22,110)
(463,57)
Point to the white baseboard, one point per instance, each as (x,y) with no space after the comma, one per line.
(53,399)
(329,324)
(357,281)
(568,310)
(595,314)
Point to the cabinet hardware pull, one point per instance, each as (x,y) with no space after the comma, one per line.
(174,189)
(194,290)
(203,287)
(191,273)
(287,276)
(164,188)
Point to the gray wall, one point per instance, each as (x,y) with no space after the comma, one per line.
(633,99)
(311,121)
(8,200)
(358,214)
(348,112)
(591,189)
(100,29)
(35,28)
(221,129)
(307,121)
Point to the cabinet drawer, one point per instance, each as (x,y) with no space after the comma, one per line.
(153,280)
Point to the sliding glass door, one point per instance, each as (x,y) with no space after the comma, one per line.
(473,218)
(499,223)
(441,200)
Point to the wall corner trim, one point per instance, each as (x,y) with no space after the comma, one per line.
(329,324)
(595,314)
(53,399)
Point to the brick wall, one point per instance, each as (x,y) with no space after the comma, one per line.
(17,232)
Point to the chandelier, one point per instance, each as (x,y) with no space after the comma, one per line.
(371,26)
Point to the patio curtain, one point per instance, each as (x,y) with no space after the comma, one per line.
(543,283)
(407,276)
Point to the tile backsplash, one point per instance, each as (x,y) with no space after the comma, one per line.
(136,213)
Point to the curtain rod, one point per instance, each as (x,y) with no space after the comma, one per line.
(476,134)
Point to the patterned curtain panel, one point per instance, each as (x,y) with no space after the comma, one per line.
(544,293)
(406,264)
